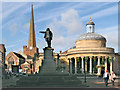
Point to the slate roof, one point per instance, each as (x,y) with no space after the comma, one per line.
(91,36)
(18,55)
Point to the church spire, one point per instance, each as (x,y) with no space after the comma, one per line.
(32,41)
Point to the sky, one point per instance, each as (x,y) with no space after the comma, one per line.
(67,21)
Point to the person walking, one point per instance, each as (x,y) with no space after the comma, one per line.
(112,78)
(102,72)
(106,77)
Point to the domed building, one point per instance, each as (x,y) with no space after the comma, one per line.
(90,53)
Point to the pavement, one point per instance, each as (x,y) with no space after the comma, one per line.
(94,82)
(8,82)
(91,82)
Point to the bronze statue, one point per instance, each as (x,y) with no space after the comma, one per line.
(48,36)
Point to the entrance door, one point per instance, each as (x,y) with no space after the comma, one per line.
(15,69)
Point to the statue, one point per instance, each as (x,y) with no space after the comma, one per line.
(48,36)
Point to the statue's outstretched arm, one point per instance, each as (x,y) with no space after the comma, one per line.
(42,32)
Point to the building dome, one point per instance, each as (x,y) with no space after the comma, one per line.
(91,39)
(90,22)
(91,36)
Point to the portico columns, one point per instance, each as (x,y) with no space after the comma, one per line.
(105,64)
(99,68)
(75,65)
(91,65)
(69,64)
(111,64)
(82,64)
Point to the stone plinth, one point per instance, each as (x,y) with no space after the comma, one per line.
(48,53)
(49,65)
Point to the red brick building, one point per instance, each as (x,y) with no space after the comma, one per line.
(2,53)
(13,61)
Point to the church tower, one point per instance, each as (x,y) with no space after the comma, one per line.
(32,41)
(32,49)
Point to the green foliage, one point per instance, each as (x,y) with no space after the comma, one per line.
(71,60)
(78,59)
(86,58)
(109,60)
(94,58)
(114,59)
(103,59)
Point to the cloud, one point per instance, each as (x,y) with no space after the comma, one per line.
(82,7)
(4,41)
(14,28)
(26,26)
(35,6)
(105,12)
(66,30)
(72,21)
(41,45)
(108,29)
(12,45)
(111,34)
(60,1)
(7,11)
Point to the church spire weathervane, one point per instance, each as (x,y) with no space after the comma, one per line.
(32,41)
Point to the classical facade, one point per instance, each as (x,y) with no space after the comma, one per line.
(90,53)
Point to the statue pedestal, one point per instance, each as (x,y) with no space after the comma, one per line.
(48,53)
(49,66)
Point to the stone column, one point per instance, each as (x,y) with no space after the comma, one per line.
(82,64)
(99,68)
(105,64)
(69,65)
(75,65)
(111,64)
(90,64)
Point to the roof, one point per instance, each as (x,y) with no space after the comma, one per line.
(91,36)
(18,55)
(90,23)
(73,47)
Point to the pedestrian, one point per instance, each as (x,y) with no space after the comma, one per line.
(102,72)
(112,78)
(106,77)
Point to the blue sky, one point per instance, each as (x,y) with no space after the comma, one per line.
(67,21)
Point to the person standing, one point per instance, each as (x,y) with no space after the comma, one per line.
(106,77)
(102,72)
(112,78)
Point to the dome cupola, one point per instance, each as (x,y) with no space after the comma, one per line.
(91,39)
(90,26)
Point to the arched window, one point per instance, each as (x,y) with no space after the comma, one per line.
(10,60)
